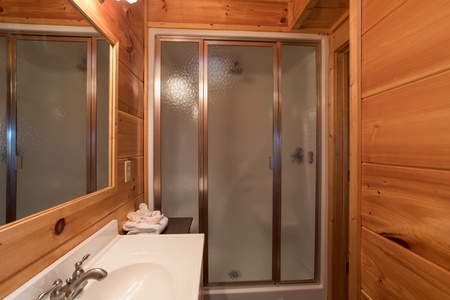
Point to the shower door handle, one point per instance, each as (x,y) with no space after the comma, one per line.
(19,162)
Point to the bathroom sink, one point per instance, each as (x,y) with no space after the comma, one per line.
(163,267)
(136,281)
(141,276)
(149,266)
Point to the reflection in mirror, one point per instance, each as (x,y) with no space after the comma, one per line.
(54,109)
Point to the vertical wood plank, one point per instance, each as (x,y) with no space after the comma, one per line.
(355,151)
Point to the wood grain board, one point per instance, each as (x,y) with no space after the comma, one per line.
(405,142)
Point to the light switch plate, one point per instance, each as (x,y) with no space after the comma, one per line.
(127,170)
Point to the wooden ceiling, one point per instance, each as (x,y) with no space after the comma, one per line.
(54,12)
(314,16)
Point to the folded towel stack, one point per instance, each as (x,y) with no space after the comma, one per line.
(145,221)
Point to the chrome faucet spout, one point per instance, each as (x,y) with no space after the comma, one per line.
(74,284)
(71,290)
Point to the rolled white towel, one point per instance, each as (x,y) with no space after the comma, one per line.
(134,216)
(129,226)
(143,210)
(151,220)
(137,228)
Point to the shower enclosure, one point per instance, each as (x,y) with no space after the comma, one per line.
(237,147)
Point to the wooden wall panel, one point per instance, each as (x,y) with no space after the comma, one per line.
(409,125)
(377,10)
(33,237)
(389,271)
(131,91)
(410,207)
(251,13)
(130,137)
(55,12)
(405,149)
(397,51)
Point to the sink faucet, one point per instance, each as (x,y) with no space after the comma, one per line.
(73,285)
(72,289)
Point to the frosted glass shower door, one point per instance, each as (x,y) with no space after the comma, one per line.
(240,142)
(179,129)
(50,141)
(299,162)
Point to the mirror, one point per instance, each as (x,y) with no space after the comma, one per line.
(54,107)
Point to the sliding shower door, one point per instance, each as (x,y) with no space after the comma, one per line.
(300,150)
(240,142)
(236,148)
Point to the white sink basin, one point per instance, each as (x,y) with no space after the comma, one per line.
(163,267)
(147,280)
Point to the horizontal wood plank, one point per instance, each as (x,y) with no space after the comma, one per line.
(339,37)
(298,11)
(409,126)
(131,136)
(409,44)
(128,15)
(375,11)
(410,207)
(389,271)
(56,11)
(267,13)
(131,93)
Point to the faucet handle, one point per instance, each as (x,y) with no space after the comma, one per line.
(80,263)
(57,285)
(78,269)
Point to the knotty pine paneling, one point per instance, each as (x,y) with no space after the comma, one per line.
(392,272)
(409,126)
(132,13)
(409,206)
(130,136)
(405,145)
(55,12)
(409,44)
(247,13)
